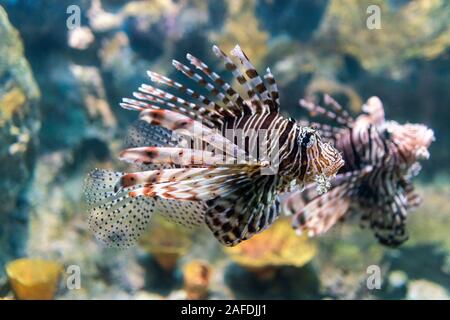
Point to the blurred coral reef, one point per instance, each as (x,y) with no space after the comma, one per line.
(166,242)
(59,118)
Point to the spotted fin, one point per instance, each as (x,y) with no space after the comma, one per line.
(115,218)
(185,213)
(143,134)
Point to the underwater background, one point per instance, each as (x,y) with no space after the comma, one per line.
(64,67)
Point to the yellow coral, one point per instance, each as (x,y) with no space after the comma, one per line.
(154,8)
(277,246)
(10,103)
(415,29)
(167,242)
(197,275)
(34,279)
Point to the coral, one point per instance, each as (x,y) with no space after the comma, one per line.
(153,9)
(275,247)
(10,103)
(413,30)
(34,279)
(166,242)
(197,276)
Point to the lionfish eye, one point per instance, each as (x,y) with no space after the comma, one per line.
(308,139)
(387,134)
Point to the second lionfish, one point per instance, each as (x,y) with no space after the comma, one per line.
(210,156)
(381,157)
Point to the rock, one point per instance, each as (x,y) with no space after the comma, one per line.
(19,125)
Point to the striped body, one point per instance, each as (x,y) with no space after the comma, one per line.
(380,157)
(208,156)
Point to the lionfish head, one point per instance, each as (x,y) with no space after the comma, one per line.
(324,160)
(412,140)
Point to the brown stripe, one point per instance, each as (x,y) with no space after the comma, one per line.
(268,120)
(230,66)
(207,70)
(220,82)
(230,92)
(251,73)
(260,87)
(241,79)
(304,162)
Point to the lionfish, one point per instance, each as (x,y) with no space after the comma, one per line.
(381,157)
(195,170)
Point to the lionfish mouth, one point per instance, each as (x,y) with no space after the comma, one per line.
(422,152)
(332,170)
(323,180)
